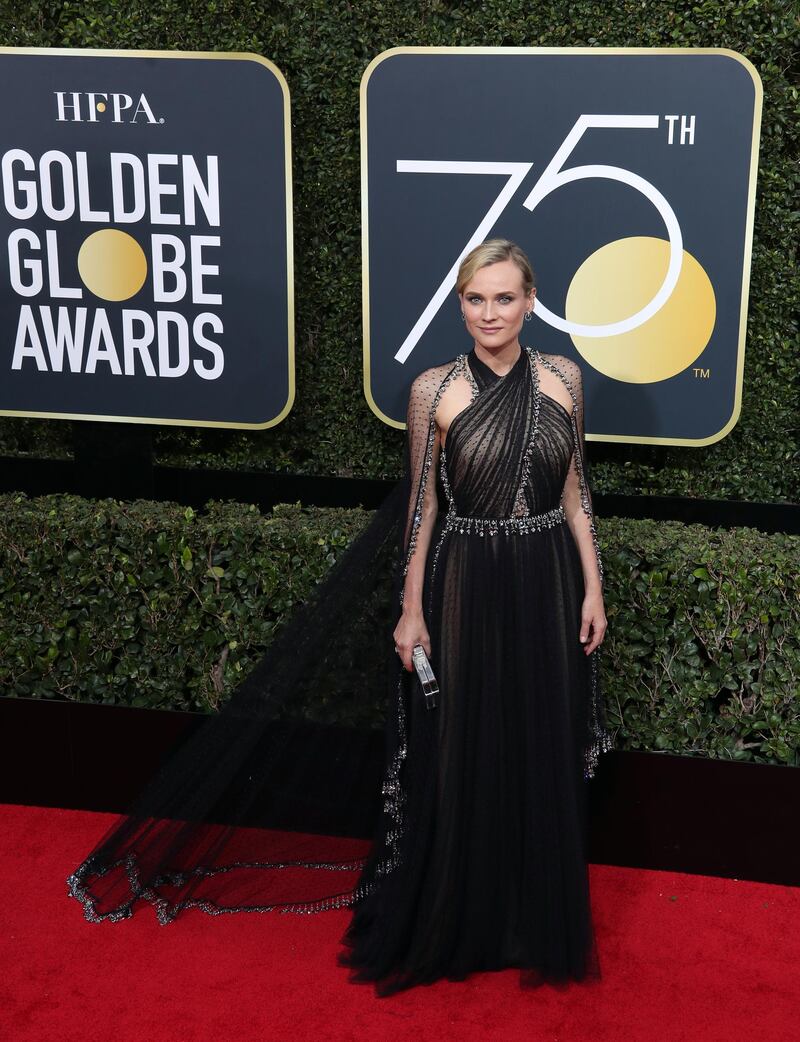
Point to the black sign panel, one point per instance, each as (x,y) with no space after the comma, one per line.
(628,176)
(145,216)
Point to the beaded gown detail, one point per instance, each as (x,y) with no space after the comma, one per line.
(492,835)
(478,854)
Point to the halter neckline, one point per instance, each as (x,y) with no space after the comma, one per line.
(486,370)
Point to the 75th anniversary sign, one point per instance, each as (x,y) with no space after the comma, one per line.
(628,176)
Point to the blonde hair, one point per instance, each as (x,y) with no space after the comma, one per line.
(490,252)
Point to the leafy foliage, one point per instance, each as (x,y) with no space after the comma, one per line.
(151,604)
(323,47)
(703,649)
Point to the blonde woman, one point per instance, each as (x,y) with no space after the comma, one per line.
(482,860)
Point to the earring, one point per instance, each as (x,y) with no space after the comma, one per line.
(528,316)
(463,317)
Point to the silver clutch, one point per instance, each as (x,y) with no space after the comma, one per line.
(430,688)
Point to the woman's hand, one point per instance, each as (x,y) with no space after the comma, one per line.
(411,630)
(593,619)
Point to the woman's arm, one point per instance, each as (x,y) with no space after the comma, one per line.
(576,499)
(593,616)
(422,460)
(415,576)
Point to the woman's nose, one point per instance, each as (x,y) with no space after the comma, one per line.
(488,310)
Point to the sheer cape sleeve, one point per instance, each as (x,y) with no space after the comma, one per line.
(577,488)
(421,463)
(254,811)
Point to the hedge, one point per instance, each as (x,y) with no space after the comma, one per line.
(323,47)
(153,604)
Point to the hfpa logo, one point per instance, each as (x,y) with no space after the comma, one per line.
(93,106)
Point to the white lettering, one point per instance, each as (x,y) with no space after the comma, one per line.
(144,107)
(119,162)
(56,289)
(63,106)
(207,318)
(86,211)
(64,336)
(27,343)
(132,343)
(65,185)
(32,264)
(120,103)
(159,346)
(207,193)
(60,176)
(101,345)
(158,189)
(28,188)
(165,320)
(70,111)
(196,244)
(93,104)
(174,267)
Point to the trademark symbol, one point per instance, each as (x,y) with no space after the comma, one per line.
(700,373)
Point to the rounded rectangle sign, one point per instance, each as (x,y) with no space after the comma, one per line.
(628,176)
(145,220)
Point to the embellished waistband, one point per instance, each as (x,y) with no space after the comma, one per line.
(494,525)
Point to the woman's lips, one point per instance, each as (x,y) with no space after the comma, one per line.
(487,329)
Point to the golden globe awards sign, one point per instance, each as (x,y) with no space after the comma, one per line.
(629,178)
(147,240)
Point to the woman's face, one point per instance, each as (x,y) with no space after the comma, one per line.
(494,304)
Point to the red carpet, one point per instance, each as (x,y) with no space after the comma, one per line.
(684,959)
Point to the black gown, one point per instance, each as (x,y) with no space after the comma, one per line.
(490,829)
(478,856)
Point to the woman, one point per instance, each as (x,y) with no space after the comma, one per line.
(485,866)
(478,857)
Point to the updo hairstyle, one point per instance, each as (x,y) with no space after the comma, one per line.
(490,252)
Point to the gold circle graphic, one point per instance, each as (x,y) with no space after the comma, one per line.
(620,279)
(101,106)
(112,264)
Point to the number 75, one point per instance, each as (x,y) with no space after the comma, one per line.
(552,178)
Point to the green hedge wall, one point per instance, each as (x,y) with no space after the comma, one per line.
(323,47)
(151,604)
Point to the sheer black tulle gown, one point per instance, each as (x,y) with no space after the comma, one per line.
(494,839)
(478,854)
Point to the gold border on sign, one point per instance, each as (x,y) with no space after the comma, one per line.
(97,52)
(758,98)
